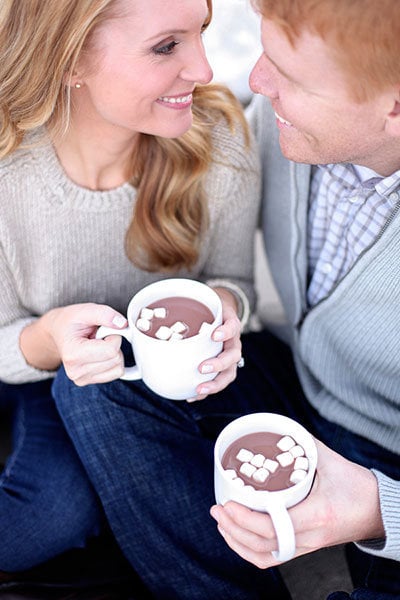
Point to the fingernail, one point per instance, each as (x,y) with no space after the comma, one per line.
(204,390)
(191,399)
(207,369)
(213,512)
(218,336)
(119,321)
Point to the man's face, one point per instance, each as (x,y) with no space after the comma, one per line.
(318,120)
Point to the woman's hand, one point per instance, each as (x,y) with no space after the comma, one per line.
(67,335)
(225,364)
(343,506)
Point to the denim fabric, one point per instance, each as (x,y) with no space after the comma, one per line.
(47,504)
(150,461)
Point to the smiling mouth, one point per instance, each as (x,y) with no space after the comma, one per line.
(283,121)
(176,99)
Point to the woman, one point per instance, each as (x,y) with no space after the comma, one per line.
(119,166)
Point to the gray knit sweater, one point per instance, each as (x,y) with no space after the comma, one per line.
(62,244)
(347,347)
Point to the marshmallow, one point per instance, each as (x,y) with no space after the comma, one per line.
(247,469)
(301,463)
(160,312)
(143,324)
(238,482)
(244,455)
(297,451)
(163,333)
(175,337)
(271,465)
(230,473)
(147,313)
(261,475)
(286,443)
(258,460)
(179,327)
(298,475)
(285,459)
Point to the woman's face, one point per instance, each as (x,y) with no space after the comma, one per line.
(141,67)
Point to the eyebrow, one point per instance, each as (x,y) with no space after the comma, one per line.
(166,33)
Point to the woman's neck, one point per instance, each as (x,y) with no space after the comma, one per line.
(93,159)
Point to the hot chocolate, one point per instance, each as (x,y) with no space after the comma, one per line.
(265,461)
(173,318)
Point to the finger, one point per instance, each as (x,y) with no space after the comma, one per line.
(229,357)
(248,543)
(228,330)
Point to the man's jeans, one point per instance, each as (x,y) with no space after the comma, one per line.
(47,504)
(150,461)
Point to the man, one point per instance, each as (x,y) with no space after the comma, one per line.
(331,155)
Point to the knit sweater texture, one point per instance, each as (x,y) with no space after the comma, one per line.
(62,244)
(347,347)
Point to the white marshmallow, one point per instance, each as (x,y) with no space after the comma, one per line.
(230,473)
(247,469)
(179,327)
(163,333)
(160,312)
(301,463)
(285,459)
(244,455)
(298,475)
(271,465)
(258,460)
(297,451)
(261,475)
(175,337)
(238,482)
(147,313)
(143,324)
(286,443)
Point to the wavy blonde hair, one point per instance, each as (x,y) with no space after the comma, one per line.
(40,46)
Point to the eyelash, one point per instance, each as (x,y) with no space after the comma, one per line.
(166,49)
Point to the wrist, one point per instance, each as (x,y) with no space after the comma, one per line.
(38,345)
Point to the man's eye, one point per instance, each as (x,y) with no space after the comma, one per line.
(166,49)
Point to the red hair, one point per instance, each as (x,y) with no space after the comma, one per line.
(364,35)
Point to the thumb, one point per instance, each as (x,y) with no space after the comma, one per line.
(101,314)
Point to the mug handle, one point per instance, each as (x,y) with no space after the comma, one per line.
(130,373)
(284,532)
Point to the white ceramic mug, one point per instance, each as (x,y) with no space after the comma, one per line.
(275,503)
(170,368)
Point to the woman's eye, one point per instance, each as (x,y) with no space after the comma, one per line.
(166,49)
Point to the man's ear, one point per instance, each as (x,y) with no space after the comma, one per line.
(393,117)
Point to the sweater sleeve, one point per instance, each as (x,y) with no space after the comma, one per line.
(389,495)
(13,318)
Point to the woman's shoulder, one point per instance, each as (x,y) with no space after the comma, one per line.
(21,159)
(234,144)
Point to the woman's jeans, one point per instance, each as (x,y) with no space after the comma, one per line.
(47,504)
(151,462)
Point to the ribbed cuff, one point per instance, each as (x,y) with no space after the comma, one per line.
(389,496)
(242,300)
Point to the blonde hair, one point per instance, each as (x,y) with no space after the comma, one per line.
(40,46)
(364,35)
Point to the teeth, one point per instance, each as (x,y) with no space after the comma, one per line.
(181,100)
(282,120)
